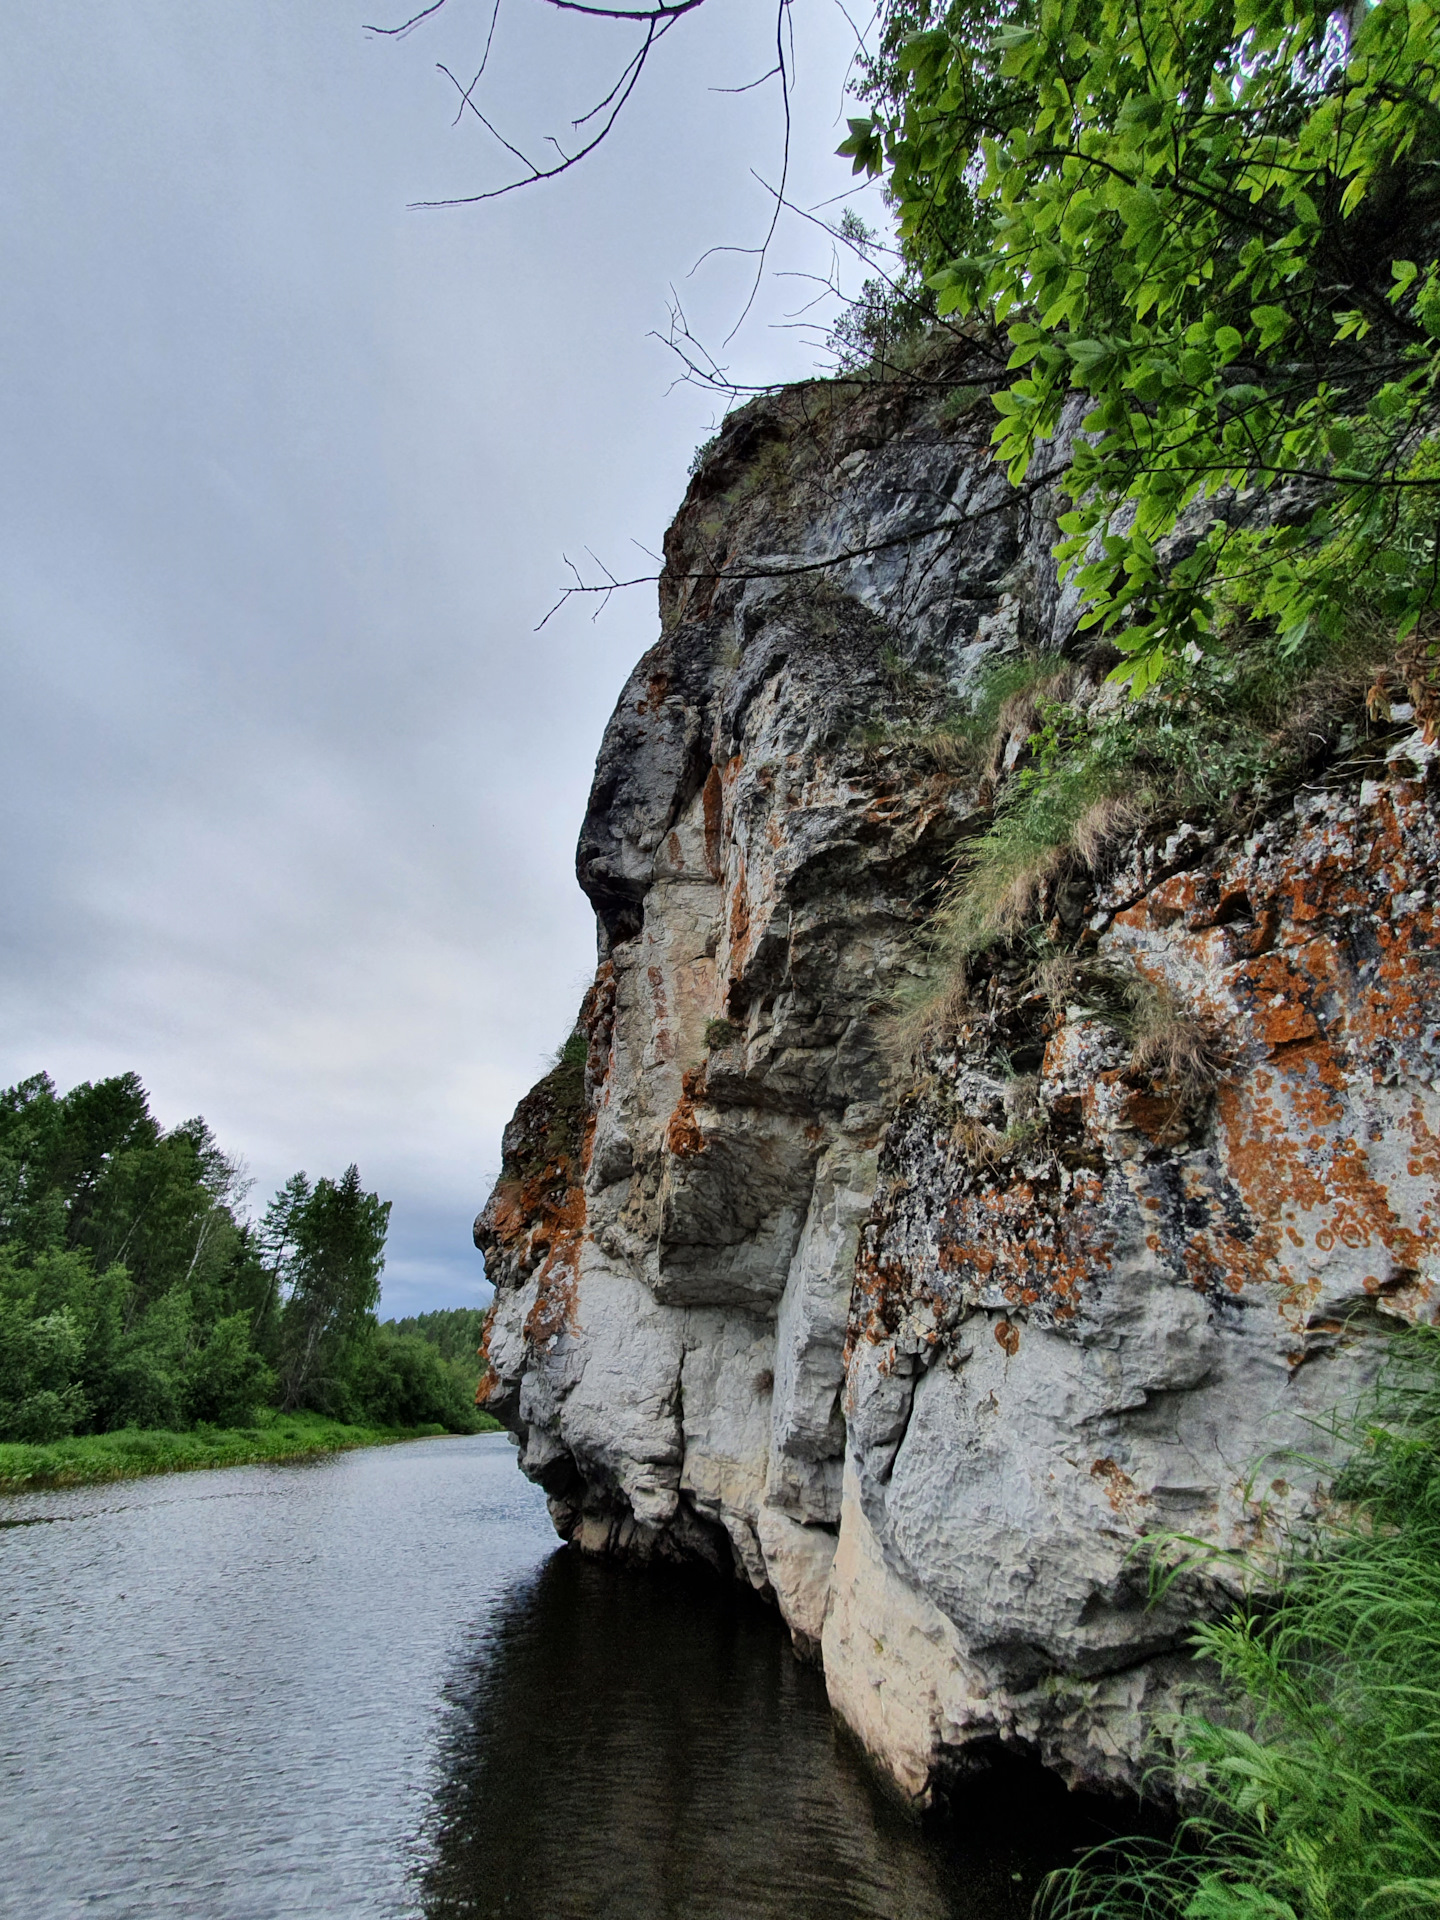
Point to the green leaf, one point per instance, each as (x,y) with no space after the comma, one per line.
(1196,366)
(865,145)
(1273,324)
(1141,110)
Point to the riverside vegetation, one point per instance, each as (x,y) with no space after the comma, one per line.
(147,1324)
(1317,1795)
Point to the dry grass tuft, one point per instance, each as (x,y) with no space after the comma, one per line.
(1058,980)
(1055,682)
(985,1146)
(1174,1048)
(981,1145)
(928,1019)
(1105,825)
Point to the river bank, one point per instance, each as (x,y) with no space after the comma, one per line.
(128,1454)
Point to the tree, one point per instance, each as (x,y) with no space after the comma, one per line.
(332,1247)
(1219,224)
(131,1294)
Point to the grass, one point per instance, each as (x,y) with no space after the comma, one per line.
(1316,1788)
(131,1452)
(1071,773)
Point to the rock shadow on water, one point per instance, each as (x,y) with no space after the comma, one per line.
(643,1747)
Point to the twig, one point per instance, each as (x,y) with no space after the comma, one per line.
(794,569)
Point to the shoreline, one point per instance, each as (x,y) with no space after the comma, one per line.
(132,1453)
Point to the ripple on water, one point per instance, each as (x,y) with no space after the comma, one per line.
(371,1686)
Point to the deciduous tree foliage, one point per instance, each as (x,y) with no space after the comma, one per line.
(331,1279)
(133,1292)
(1211,234)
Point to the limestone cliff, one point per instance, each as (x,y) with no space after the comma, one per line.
(924,1353)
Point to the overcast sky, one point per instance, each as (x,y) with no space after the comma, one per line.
(291,783)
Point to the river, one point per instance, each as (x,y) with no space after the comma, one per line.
(372,1685)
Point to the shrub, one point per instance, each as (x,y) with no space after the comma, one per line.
(1319,1787)
(226,1381)
(145,1382)
(403,1381)
(702,453)
(39,1399)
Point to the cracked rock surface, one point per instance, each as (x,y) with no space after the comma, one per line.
(925,1360)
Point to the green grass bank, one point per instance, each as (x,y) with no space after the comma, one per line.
(129,1452)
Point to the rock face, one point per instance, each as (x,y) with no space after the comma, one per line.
(925,1354)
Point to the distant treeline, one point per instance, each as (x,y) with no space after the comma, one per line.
(134,1291)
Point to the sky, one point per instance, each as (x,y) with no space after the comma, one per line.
(291,783)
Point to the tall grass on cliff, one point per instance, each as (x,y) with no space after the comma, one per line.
(1073,772)
(1319,1788)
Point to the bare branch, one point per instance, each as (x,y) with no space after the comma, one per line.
(749,85)
(781,11)
(865,254)
(666,14)
(484,62)
(635,67)
(398,33)
(601,104)
(466,101)
(948,523)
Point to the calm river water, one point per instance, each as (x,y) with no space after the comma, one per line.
(372,1686)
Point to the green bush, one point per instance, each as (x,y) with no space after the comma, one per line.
(1218,224)
(403,1381)
(134,1298)
(39,1398)
(227,1381)
(1320,1787)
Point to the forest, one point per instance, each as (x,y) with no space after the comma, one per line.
(137,1292)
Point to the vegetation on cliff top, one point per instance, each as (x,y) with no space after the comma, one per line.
(1205,240)
(1218,225)
(1207,237)
(135,1294)
(549,1123)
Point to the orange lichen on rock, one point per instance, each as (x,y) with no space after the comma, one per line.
(555,1296)
(683,1134)
(1304,1176)
(1119,1489)
(712,808)
(739,920)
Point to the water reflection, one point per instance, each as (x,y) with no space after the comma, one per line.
(372,1689)
(641,1747)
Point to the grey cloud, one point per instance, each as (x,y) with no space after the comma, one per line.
(291,784)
